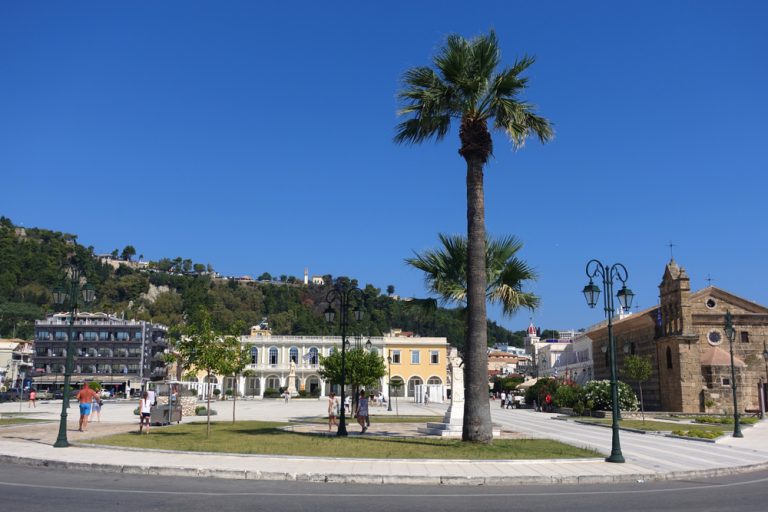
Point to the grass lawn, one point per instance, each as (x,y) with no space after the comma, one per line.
(379,419)
(659,426)
(16,421)
(258,437)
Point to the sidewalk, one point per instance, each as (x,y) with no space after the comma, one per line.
(649,457)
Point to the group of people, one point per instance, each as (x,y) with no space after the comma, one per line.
(361,411)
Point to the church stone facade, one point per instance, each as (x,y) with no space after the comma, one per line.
(685,339)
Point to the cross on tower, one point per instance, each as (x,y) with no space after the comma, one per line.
(709,280)
(671,254)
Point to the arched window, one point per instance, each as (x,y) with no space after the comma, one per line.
(397,385)
(314,360)
(293,355)
(254,355)
(434,381)
(669,358)
(211,380)
(412,383)
(273,356)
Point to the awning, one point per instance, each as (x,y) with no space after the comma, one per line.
(527,384)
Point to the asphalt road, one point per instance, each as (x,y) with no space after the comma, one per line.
(41,489)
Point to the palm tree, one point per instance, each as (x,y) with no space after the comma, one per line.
(464,85)
(445,272)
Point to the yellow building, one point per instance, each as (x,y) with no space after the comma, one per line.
(415,362)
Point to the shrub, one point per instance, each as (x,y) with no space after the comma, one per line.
(216,392)
(723,420)
(271,393)
(567,396)
(303,394)
(539,390)
(704,434)
(136,411)
(598,394)
(201,410)
(578,408)
(230,392)
(315,393)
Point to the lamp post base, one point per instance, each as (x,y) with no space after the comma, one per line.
(615,457)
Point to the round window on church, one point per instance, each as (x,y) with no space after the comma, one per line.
(714,338)
(711,303)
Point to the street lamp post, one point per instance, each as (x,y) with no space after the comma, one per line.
(76,293)
(731,333)
(389,384)
(591,292)
(345,295)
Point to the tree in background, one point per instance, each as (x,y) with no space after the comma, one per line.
(204,348)
(364,369)
(128,252)
(445,272)
(390,289)
(235,358)
(466,85)
(638,369)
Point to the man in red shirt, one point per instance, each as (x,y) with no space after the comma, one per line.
(85,396)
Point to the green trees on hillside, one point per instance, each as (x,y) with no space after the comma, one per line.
(31,265)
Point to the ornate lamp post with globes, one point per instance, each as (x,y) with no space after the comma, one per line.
(591,292)
(73,296)
(345,295)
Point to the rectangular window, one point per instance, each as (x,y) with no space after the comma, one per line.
(90,336)
(103,335)
(41,351)
(43,335)
(434,357)
(395,357)
(744,337)
(415,357)
(137,336)
(60,336)
(726,381)
(122,336)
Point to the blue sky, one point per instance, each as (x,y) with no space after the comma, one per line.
(258,137)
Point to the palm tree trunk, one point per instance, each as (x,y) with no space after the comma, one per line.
(477,409)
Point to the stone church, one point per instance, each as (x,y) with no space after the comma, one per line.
(685,339)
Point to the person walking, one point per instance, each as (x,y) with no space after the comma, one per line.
(32,399)
(96,409)
(503,399)
(333,406)
(362,412)
(85,397)
(145,411)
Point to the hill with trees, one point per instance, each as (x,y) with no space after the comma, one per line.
(168,291)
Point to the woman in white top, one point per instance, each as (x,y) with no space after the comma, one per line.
(145,409)
(333,406)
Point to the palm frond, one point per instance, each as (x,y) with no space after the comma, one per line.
(428,102)
(445,272)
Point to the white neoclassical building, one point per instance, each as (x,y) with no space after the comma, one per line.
(411,362)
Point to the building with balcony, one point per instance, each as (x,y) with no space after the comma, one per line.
(15,362)
(118,353)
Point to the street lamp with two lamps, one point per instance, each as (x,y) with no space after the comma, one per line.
(77,293)
(345,295)
(591,292)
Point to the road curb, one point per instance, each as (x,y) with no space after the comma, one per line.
(497,480)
